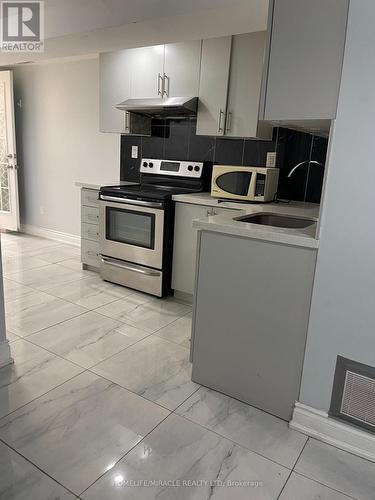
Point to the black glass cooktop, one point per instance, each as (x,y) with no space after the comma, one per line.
(144,191)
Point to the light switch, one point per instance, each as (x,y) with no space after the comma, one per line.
(134,151)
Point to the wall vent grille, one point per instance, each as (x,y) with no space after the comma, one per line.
(353,395)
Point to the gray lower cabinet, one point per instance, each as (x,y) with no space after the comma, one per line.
(305,55)
(90,228)
(185,243)
(251,311)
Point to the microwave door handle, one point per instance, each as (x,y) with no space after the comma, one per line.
(129,267)
(139,203)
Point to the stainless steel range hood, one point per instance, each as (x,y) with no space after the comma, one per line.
(168,107)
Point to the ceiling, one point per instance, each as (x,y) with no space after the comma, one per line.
(78,28)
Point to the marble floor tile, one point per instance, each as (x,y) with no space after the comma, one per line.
(16,263)
(300,487)
(34,372)
(179,331)
(181,450)
(13,290)
(51,276)
(37,311)
(146,312)
(132,332)
(24,242)
(74,264)
(337,469)
(85,340)
(154,368)
(244,424)
(57,253)
(20,480)
(78,431)
(11,337)
(90,293)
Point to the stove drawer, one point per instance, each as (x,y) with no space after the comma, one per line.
(131,275)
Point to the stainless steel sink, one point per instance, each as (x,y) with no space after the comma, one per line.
(277,220)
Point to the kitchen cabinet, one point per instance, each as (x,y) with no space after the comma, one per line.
(182,69)
(230,87)
(185,243)
(115,70)
(250,317)
(170,70)
(305,55)
(90,228)
(213,86)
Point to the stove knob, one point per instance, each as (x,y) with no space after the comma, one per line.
(151,165)
(190,168)
(145,164)
(197,168)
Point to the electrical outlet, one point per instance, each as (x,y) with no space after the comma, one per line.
(134,151)
(271,159)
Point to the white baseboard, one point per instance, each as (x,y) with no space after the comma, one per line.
(5,356)
(70,239)
(318,424)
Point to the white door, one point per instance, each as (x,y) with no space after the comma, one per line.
(9,208)
(147,72)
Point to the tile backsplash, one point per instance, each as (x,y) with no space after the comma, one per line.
(177,140)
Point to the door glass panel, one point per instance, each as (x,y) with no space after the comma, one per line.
(131,227)
(235,182)
(4,172)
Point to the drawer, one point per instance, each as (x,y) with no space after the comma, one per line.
(90,253)
(220,211)
(89,197)
(90,215)
(90,232)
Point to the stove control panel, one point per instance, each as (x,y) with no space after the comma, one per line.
(170,167)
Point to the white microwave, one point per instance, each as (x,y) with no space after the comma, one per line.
(244,183)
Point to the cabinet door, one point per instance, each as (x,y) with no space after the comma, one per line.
(245,82)
(213,85)
(305,60)
(181,69)
(185,243)
(147,72)
(114,87)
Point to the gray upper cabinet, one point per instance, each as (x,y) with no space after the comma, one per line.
(182,68)
(230,87)
(245,82)
(306,48)
(146,74)
(114,85)
(213,87)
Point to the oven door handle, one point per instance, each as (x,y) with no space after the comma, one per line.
(129,267)
(140,203)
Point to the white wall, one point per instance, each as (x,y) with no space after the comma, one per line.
(343,307)
(58,141)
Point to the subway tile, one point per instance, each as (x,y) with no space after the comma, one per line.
(229,151)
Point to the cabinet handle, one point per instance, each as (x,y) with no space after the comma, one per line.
(127,120)
(221,113)
(228,122)
(166,79)
(160,87)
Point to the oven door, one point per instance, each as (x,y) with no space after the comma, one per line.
(131,230)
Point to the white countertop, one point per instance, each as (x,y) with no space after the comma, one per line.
(226,224)
(95,185)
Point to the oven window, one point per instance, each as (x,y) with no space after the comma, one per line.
(131,227)
(235,182)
